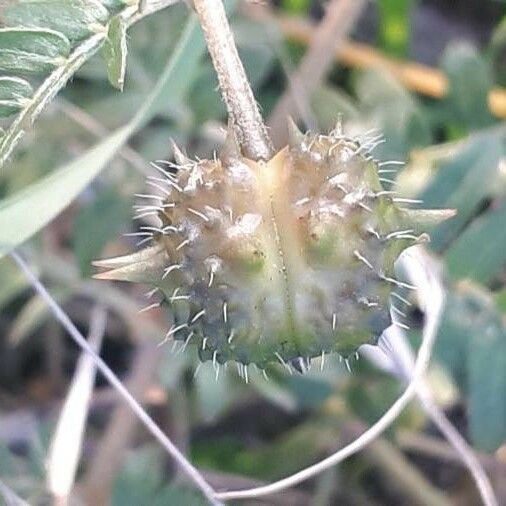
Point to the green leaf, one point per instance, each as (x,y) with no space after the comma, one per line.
(26,212)
(487,385)
(327,103)
(462,183)
(96,224)
(480,251)
(32,51)
(461,319)
(140,482)
(76,19)
(14,94)
(472,344)
(390,108)
(114,51)
(470,81)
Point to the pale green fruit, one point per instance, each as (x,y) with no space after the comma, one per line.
(277,261)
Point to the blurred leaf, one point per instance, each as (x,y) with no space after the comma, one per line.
(139,478)
(470,80)
(213,394)
(462,183)
(309,392)
(480,251)
(114,51)
(327,103)
(140,482)
(76,19)
(472,344)
(172,365)
(26,212)
(388,107)
(96,224)
(177,495)
(257,61)
(31,51)
(14,94)
(206,101)
(486,359)
(296,6)
(116,5)
(462,317)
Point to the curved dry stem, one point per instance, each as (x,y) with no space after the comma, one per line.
(399,362)
(109,375)
(235,88)
(434,308)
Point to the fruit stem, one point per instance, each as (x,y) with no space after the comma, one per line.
(242,108)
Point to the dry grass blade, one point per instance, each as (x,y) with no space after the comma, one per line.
(67,439)
(109,375)
(105,464)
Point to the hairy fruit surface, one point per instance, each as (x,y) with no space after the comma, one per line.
(277,261)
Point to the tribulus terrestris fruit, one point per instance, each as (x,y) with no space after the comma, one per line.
(277,261)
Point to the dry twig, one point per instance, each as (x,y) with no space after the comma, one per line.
(235,88)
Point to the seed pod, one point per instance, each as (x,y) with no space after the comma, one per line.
(277,261)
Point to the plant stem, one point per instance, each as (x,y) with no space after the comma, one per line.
(242,108)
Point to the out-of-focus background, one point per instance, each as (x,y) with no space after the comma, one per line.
(431,76)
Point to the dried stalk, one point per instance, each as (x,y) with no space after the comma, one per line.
(67,441)
(241,104)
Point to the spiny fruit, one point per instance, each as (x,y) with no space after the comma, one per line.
(283,260)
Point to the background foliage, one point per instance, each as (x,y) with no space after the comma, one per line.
(69,185)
